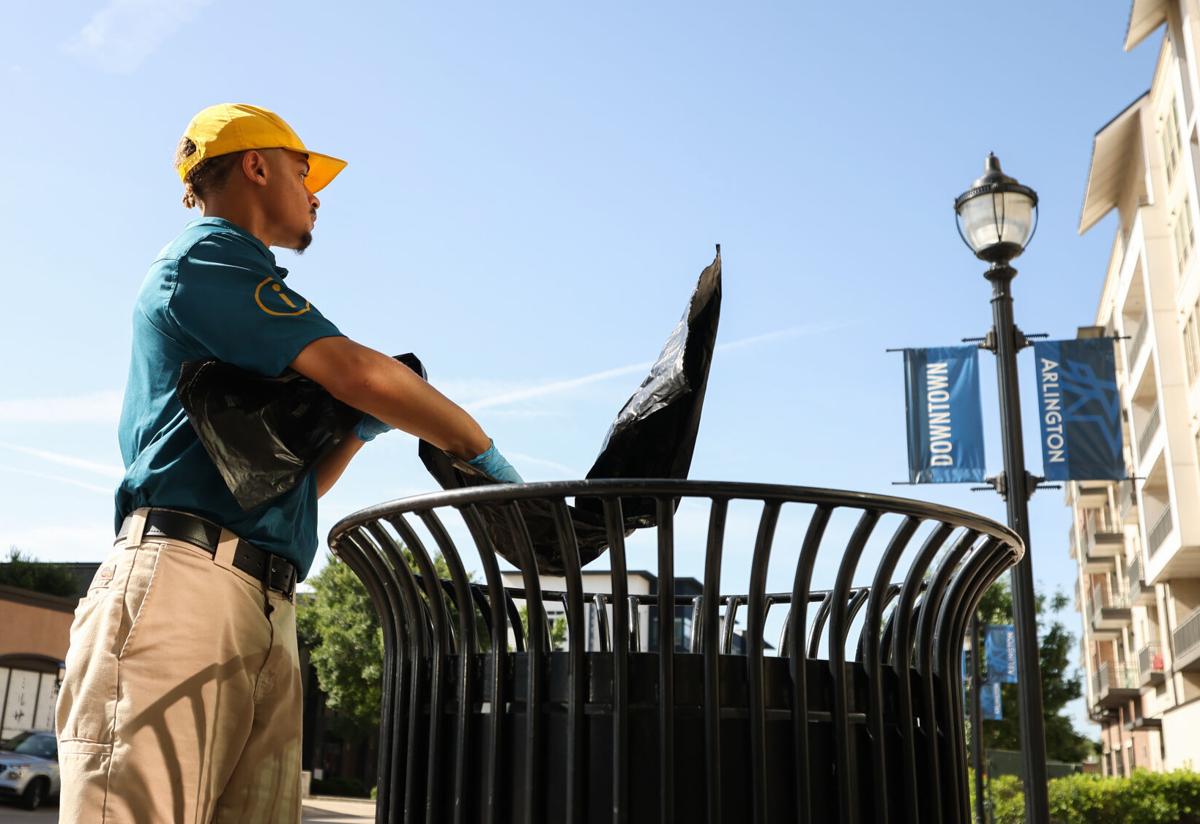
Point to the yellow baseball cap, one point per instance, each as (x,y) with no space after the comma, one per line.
(235,127)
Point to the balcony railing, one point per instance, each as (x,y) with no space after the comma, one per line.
(1147,431)
(1139,591)
(1128,498)
(1102,600)
(1110,613)
(1150,665)
(1187,642)
(1139,340)
(1115,684)
(1161,529)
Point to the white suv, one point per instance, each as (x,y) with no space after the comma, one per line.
(29,767)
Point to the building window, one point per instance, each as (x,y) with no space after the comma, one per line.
(1184,234)
(1170,142)
(1191,347)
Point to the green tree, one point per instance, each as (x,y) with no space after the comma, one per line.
(1059,686)
(558,629)
(24,571)
(338,623)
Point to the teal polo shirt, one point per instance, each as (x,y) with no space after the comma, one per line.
(213,292)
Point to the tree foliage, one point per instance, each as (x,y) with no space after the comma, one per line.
(557,631)
(25,572)
(1060,685)
(338,624)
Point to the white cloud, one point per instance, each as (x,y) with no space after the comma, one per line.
(107,470)
(523,459)
(125,32)
(92,407)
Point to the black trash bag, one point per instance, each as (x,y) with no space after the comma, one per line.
(262,433)
(501,523)
(653,436)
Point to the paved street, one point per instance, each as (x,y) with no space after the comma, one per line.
(316,811)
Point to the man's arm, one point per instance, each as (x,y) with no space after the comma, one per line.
(381,386)
(331,467)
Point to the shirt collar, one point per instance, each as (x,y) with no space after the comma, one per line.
(238,230)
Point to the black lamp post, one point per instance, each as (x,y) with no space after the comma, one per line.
(997,217)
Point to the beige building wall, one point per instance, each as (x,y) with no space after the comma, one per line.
(34,624)
(1138,543)
(1181,727)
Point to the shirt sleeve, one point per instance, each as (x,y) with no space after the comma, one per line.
(229,300)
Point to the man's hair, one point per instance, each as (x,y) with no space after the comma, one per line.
(209,175)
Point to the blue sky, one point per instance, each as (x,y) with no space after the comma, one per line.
(533,189)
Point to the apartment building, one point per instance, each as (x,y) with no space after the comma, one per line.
(1137,542)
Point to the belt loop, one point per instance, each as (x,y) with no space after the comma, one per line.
(226,548)
(137,528)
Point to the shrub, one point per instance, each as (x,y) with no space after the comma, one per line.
(1143,798)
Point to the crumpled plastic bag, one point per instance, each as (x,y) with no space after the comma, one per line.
(262,433)
(653,436)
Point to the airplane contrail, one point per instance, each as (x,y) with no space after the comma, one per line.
(107,470)
(62,479)
(559,386)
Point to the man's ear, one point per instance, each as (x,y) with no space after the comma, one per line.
(254,167)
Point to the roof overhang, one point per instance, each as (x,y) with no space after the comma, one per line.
(1144,17)
(1112,148)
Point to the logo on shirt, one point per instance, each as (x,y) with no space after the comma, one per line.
(274,299)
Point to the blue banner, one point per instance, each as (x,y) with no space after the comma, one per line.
(945,421)
(989,702)
(1000,654)
(1080,410)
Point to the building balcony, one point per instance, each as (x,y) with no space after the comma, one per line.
(1143,723)
(1105,544)
(1151,671)
(1100,552)
(1110,614)
(1141,593)
(1091,494)
(1115,685)
(1187,643)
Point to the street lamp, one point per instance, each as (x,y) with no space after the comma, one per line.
(997,217)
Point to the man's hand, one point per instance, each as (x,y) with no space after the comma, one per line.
(494,464)
(370,426)
(392,393)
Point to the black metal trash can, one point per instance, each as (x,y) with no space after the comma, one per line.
(857,716)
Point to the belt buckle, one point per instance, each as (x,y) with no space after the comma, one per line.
(269,574)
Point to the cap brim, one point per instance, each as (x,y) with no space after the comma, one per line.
(321,170)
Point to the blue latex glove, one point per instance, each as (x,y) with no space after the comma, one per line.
(369,427)
(494,464)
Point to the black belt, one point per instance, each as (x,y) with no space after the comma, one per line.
(277,573)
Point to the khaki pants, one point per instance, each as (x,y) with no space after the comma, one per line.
(181,700)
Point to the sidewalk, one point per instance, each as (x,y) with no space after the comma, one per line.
(330,810)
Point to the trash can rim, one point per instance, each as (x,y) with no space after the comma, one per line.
(730,490)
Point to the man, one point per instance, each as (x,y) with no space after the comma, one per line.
(181,701)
